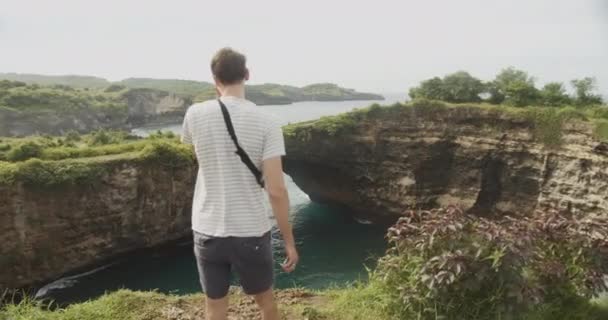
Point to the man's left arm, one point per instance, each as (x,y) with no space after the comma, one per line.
(186,133)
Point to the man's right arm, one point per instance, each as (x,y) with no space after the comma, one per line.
(279,199)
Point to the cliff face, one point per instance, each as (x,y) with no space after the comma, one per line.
(486,161)
(22,123)
(149,104)
(46,232)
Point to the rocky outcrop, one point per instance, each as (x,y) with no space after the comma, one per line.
(23,123)
(146,105)
(387,160)
(46,232)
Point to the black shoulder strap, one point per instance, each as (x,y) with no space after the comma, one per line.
(259,177)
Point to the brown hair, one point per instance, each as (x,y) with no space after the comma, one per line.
(228,66)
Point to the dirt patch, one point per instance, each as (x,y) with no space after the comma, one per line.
(295,304)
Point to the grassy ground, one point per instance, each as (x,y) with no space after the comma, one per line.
(364,302)
(130,305)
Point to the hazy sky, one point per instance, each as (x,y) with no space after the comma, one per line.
(376,45)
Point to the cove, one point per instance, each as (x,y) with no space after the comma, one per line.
(334,247)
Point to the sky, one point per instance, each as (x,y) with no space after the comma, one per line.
(379,45)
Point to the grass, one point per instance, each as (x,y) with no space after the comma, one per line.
(357,302)
(46,162)
(122,304)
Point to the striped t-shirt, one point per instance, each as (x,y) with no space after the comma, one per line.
(227,199)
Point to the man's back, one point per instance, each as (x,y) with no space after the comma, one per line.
(227,199)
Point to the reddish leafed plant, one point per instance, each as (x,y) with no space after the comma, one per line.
(445,263)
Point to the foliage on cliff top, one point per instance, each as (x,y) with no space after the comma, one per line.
(511,87)
(188,88)
(21,97)
(74,145)
(79,160)
(546,123)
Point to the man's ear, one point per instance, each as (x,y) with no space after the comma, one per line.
(247,74)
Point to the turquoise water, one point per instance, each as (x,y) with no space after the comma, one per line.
(334,247)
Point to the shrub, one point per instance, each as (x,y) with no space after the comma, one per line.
(159,134)
(601,129)
(24,151)
(445,264)
(168,154)
(103,137)
(72,136)
(99,137)
(548,125)
(46,174)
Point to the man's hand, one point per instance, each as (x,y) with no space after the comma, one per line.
(292,259)
(279,199)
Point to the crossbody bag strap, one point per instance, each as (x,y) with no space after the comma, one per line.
(259,177)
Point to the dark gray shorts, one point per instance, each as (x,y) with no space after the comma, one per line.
(250,258)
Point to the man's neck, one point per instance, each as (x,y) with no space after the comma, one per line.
(237,91)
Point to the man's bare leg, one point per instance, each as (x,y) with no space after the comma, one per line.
(267,305)
(217,309)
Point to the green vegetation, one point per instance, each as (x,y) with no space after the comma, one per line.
(35,99)
(447,263)
(122,304)
(186,88)
(80,160)
(457,87)
(546,123)
(295,304)
(510,87)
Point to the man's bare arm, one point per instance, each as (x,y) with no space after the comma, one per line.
(279,199)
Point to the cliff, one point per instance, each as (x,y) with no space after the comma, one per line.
(384,160)
(59,216)
(148,105)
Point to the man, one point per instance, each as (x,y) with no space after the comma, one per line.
(230,223)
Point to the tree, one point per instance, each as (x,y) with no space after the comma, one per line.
(509,79)
(520,94)
(457,87)
(554,94)
(462,87)
(429,89)
(584,95)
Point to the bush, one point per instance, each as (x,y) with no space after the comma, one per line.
(72,136)
(445,264)
(24,151)
(159,134)
(601,129)
(99,137)
(168,154)
(47,174)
